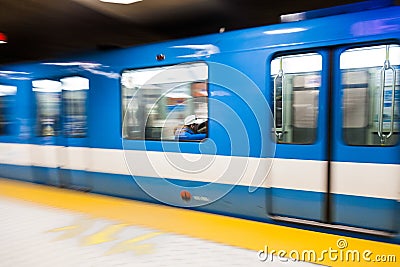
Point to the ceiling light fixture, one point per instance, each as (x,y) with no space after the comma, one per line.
(3,38)
(124,2)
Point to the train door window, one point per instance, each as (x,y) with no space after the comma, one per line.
(61,106)
(156,101)
(296,81)
(48,101)
(371,94)
(7,98)
(74,95)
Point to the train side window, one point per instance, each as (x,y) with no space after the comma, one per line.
(61,106)
(296,81)
(371,95)
(7,98)
(156,101)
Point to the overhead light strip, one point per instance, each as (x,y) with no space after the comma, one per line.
(123,2)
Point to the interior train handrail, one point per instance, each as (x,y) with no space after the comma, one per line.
(386,67)
(281,75)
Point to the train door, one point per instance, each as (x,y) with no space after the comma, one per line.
(365,170)
(47,131)
(336,126)
(61,131)
(298,182)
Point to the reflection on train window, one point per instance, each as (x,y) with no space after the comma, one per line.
(296,81)
(7,94)
(371,95)
(156,101)
(61,105)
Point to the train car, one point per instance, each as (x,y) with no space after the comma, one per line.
(300,122)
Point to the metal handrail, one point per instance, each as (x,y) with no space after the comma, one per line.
(386,67)
(279,75)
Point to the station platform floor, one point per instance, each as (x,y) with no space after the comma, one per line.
(46,226)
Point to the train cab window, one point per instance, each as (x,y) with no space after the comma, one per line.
(61,106)
(296,81)
(371,95)
(156,101)
(7,95)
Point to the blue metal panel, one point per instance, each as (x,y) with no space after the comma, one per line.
(46,176)
(297,204)
(23,173)
(112,184)
(366,212)
(104,117)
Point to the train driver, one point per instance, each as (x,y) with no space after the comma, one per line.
(193,129)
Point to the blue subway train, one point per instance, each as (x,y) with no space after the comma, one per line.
(299,122)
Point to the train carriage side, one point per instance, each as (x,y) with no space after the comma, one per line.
(302,122)
(333,94)
(36,149)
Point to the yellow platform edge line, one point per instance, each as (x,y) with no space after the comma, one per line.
(222,229)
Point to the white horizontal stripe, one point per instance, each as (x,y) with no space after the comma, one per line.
(75,158)
(106,160)
(15,154)
(361,179)
(366,179)
(309,175)
(203,168)
(284,173)
(46,156)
